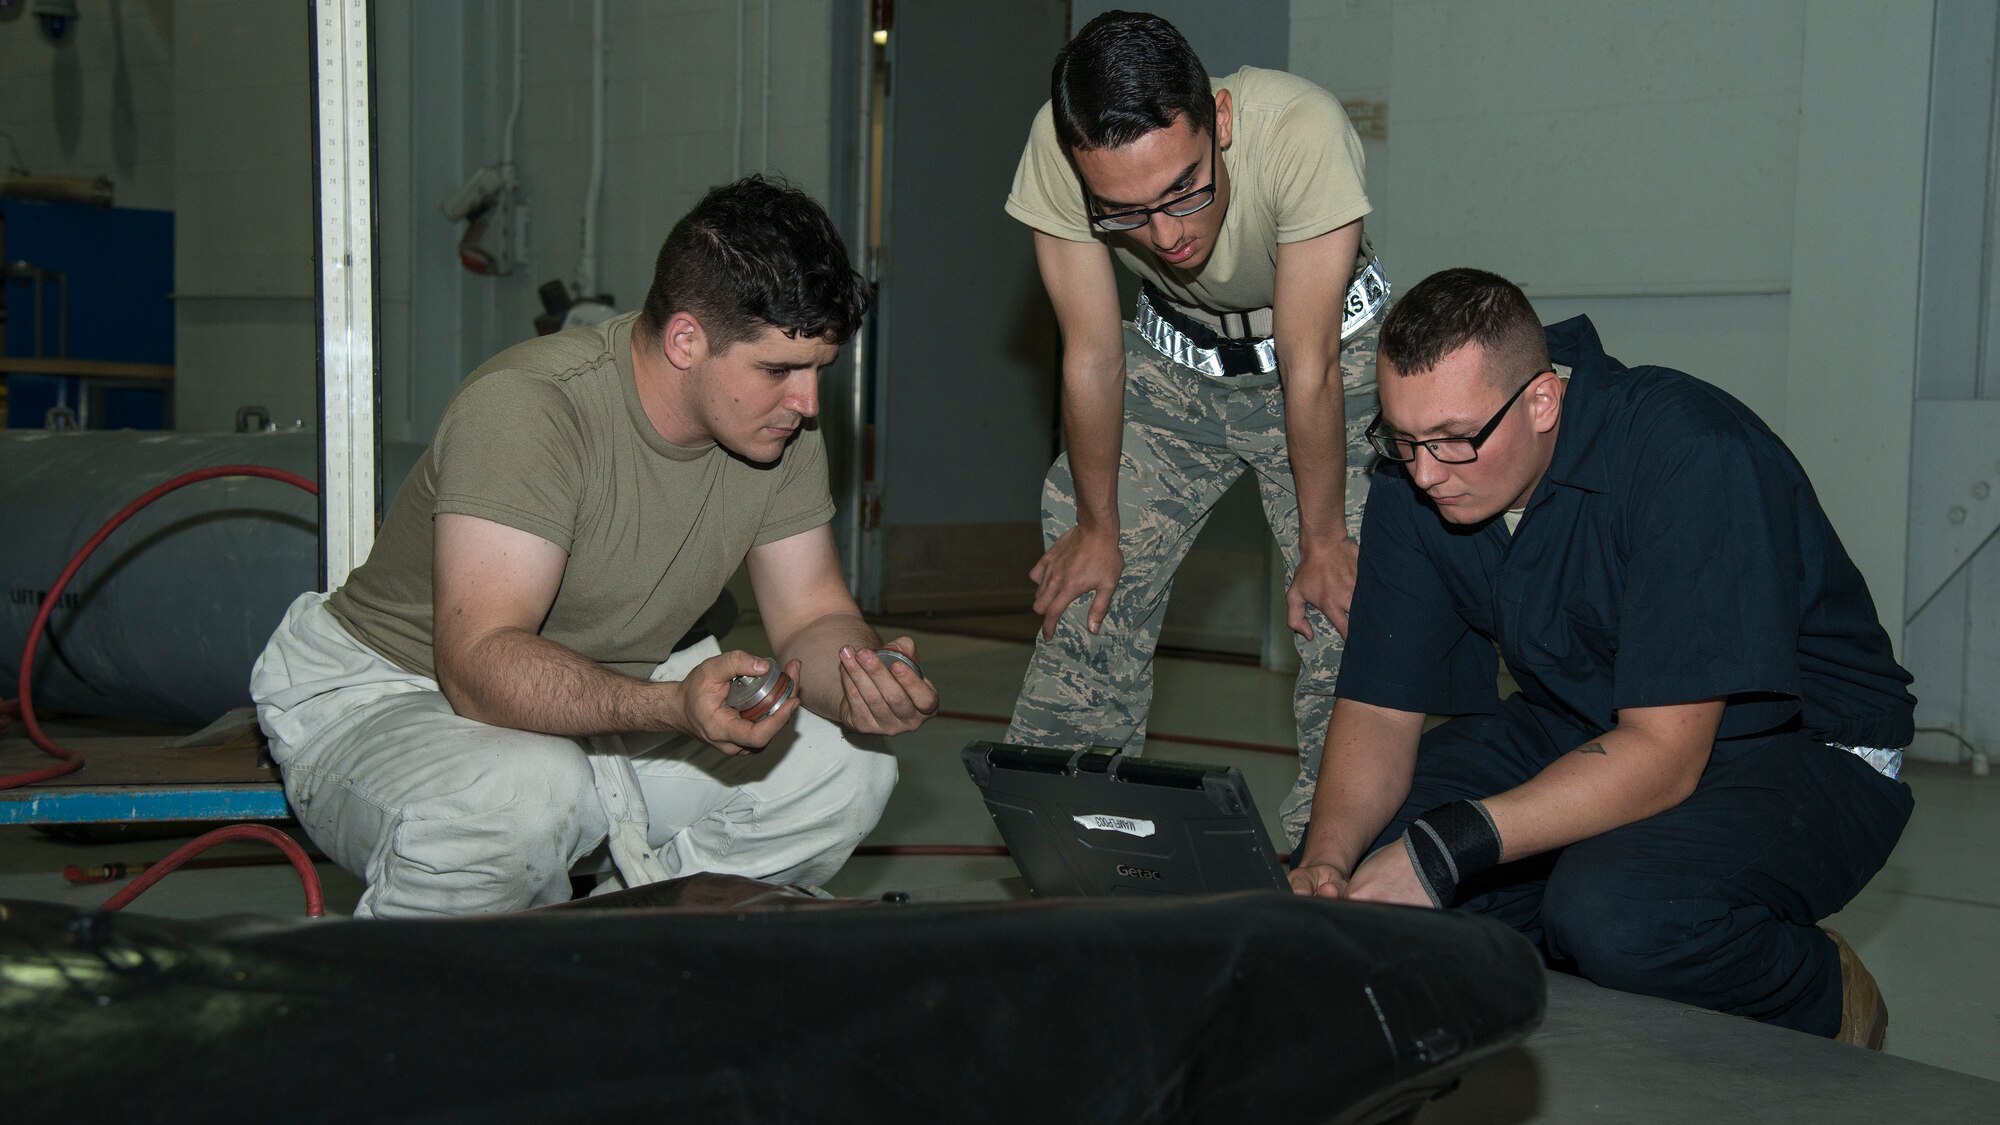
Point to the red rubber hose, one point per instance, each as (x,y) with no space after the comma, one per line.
(315,900)
(25,703)
(117,869)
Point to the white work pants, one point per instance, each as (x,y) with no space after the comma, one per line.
(441,814)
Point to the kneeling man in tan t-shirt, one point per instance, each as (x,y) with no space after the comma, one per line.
(493,695)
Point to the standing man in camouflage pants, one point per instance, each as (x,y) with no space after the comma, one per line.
(1238,202)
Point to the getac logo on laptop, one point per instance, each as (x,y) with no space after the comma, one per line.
(1131,872)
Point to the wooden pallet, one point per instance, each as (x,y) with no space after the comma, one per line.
(219,773)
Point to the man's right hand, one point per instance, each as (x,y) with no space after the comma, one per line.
(1081,562)
(1318,880)
(706,714)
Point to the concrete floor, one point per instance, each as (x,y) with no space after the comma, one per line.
(1928,926)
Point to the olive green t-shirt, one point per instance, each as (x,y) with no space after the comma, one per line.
(1294,166)
(549,437)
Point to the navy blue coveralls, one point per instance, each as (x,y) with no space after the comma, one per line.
(1673,552)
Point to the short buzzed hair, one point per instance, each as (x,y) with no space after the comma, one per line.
(1455,307)
(1125,75)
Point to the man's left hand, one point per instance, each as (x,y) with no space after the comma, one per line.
(884,697)
(1325,581)
(1387,876)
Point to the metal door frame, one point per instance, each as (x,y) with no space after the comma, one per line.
(344,204)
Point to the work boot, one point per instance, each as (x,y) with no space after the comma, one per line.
(1864,1015)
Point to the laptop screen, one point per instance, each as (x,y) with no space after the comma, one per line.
(1094,822)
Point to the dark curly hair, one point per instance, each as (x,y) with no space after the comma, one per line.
(753,254)
(1123,76)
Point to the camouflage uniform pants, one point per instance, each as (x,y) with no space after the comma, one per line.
(1187,438)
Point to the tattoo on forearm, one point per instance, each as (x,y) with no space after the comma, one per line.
(1593,748)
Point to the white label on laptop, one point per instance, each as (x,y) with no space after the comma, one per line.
(1106,823)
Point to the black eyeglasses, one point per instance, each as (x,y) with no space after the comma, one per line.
(1179,207)
(1449,450)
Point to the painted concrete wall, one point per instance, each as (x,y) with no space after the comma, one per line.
(1686,175)
(199,107)
(697,92)
(1857,241)
(1633,163)
(1343,45)
(1952,600)
(204,107)
(245,317)
(1251,33)
(1488,208)
(685,110)
(425,302)
(99,102)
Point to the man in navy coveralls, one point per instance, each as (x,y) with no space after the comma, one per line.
(1701,762)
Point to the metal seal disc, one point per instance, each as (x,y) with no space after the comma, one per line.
(895,656)
(754,697)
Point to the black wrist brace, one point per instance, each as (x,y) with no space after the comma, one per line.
(1449,845)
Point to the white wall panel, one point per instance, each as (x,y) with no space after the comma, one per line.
(243,203)
(99,102)
(1598,149)
(685,110)
(1952,642)
(1857,240)
(1343,45)
(1738,343)
(1732,189)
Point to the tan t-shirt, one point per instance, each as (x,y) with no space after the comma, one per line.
(1294,171)
(549,437)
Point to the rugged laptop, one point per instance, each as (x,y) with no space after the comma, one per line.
(1094,822)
